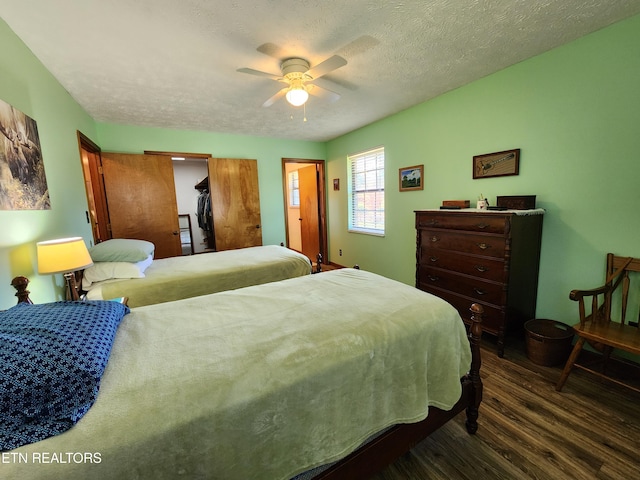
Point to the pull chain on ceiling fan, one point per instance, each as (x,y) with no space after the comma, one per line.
(299,77)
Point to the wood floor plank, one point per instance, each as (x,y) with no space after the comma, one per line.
(527,430)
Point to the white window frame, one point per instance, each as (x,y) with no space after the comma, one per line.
(366,192)
(294,189)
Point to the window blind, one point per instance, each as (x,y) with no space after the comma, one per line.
(366,192)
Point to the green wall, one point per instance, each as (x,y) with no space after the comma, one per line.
(575,114)
(30,88)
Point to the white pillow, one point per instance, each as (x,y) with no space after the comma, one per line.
(101,271)
(121,250)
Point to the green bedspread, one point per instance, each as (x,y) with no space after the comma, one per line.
(262,382)
(175,278)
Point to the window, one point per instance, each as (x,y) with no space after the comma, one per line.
(294,189)
(366,192)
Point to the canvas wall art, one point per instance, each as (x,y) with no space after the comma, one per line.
(23,185)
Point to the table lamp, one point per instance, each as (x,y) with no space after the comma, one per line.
(64,255)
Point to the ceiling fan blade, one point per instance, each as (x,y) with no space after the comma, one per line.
(251,71)
(331,83)
(276,97)
(358,46)
(329,65)
(323,93)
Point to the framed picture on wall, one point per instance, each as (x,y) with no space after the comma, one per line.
(23,185)
(411,178)
(497,164)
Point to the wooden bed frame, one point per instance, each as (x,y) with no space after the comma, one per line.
(396,441)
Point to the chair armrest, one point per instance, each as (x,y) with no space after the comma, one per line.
(577,295)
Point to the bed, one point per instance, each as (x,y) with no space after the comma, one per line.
(270,381)
(175,278)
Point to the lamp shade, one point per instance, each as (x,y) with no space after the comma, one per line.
(62,255)
(297,96)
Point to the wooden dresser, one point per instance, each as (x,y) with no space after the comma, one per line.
(488,257)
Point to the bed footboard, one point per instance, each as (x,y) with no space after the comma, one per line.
(399,439)
(473,377)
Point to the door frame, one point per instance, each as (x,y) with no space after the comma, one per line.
(94,188)
(322,203)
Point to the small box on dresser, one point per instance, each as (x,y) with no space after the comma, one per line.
(488,257)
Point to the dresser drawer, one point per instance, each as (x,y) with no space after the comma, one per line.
(493,318)
(476,243)
(481,267)
(471,287)
(490,223)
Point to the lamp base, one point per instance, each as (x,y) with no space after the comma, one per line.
(72,287)
(20,284)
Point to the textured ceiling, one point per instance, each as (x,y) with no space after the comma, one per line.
(170,63)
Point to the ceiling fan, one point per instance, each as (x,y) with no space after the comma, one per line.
(300,77)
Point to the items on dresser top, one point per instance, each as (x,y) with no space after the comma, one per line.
(517,202)
(488,257)
(456,204)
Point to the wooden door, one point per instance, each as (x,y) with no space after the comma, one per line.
(309,214)
(235,203)
(98,213)
(141,197)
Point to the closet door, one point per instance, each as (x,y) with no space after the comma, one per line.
(141,198)
(235,202)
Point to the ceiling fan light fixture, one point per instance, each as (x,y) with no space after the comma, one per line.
(297,96)
(298,75)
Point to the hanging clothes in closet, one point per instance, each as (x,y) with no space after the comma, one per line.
(203,213)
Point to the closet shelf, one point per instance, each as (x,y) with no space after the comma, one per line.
(203,184)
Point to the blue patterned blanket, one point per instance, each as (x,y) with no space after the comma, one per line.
(52,357)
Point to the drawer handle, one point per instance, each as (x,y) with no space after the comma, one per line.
(430,223)
(481,268)
(479,292)
(435,239)
(483,245)
(434,259)
(482,226)
(433,278)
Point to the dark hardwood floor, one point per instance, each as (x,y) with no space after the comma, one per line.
(527,430)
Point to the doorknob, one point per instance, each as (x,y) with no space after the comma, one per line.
(176,233)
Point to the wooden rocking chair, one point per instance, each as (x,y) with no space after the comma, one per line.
(597,327)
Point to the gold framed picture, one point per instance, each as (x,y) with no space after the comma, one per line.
(497,164)
(411,178)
